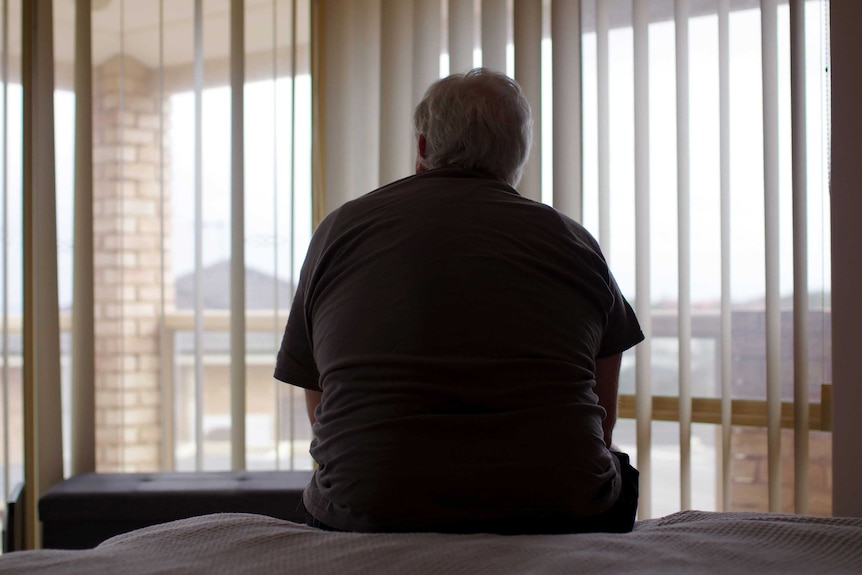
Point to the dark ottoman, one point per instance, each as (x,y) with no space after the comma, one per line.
(86,509)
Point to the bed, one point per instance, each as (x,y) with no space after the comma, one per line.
(684,542)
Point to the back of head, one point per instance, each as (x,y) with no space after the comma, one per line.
(479,121)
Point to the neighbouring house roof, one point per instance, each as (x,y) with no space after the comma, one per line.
(262,290)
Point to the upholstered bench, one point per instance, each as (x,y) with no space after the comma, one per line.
(86,509)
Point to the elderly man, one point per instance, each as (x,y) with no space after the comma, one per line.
(460,344)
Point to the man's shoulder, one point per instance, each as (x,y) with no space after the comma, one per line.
(431,178)
(438,181)
(398,186)
(577,230)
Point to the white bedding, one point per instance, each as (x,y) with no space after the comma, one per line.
(686,542)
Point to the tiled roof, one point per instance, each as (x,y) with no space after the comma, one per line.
(261,289)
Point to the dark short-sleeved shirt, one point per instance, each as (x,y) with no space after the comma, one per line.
(453,326)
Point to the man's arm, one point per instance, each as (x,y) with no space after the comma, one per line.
(607,388)
(312,400)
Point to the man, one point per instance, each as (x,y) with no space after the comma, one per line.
(460,344)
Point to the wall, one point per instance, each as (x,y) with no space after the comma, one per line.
(846,180)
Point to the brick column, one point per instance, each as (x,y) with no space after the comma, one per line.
(127,216)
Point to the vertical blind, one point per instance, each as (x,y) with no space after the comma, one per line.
(141,324)
(192,199)
(41,333)
(666,124)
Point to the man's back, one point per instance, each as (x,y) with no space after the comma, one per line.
(453,327)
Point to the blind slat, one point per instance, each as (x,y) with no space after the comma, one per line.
(800,254)
(566,72)
(494,34)
(291,244)
(83,425)
(166,368)
(681,16)
(43,436)
(528,73)
(461,41)
(643,298)
(199,308)
(603,113)
(4,185)
(278,390)
(396,63)
(724,193)
(769,42)
(427,29)
(237,270)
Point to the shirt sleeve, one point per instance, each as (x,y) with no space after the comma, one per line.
(623,330)
(295,362)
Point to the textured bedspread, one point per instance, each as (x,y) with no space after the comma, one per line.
(686,542)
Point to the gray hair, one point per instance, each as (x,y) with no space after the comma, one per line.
(479,120)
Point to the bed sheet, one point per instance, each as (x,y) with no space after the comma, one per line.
(686,542)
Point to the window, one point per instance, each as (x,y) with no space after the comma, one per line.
(638,149)
(161,359)
(162,229)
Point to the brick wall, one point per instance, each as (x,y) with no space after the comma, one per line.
(750,471)
(128,226)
